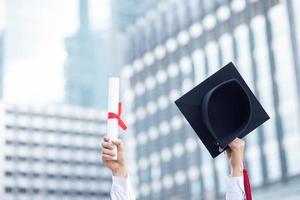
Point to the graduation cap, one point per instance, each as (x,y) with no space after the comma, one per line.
(222,108)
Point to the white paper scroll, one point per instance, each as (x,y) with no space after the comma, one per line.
(113,102)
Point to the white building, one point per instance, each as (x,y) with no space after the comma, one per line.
(51,153)
(173,48)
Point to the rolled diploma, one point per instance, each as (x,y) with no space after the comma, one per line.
(113,103)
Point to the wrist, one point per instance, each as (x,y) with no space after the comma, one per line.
(120,172)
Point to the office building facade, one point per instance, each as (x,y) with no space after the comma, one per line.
(127,12)
(176,46)
(2,32)
(86,55)
(1,61)
(52,152)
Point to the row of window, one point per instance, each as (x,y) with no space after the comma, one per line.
(172,71)
(60,126)
(84,116)
(59,147)
(17,159)
(177,150)
(57,176)
(162,129)
(169,180)
(16,129)
(183,38)
(84,193)
(162,103)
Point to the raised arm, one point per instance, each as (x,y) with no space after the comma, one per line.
(234,186)
(121,187)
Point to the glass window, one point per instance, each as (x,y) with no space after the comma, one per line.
(159,25)
(296,5)
(156,186)
(23,136)
(208,5)
(181,11)
(222,170)
(38,152)
(24,166)
(241,33)
(186,65)
(211,50)
(194,7)
(24,151)
(207,172)
(187,85)
(255,165)
(199,65)
(226,45)
(170,21)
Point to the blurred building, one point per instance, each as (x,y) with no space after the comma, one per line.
(51,153)
(88,52)
(125,13)
(1,61)
(177,45)
(2,30)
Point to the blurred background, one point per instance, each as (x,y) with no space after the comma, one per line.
(55,60)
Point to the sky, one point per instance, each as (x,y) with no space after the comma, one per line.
(34,46)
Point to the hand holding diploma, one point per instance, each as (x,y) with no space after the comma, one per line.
(121,185)
(117,166)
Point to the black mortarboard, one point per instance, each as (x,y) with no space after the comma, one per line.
(222,108)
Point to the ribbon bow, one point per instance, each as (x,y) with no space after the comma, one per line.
(112,115)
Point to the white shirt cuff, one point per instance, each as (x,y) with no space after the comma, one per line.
(235,182)
(120,184)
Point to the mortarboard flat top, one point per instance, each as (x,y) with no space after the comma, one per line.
(222,108)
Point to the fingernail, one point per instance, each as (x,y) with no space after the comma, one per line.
(220,149)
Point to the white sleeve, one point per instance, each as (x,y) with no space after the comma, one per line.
(121,189)
(235,188)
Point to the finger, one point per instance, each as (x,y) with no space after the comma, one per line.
(107,145)
(233,143)
(107,157)
(106,138)
(237,144)
(238,140)
(119,144)
(108,152)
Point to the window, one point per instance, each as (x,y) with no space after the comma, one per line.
(241,33)
(222,171)
(195,9)
(226,45)
(181,12)
(208,5)
(199,64)
(211,50)
(206,171)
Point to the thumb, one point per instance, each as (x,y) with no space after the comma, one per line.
(119,145)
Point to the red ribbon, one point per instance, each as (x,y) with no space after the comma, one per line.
(112,115)
(247,185)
